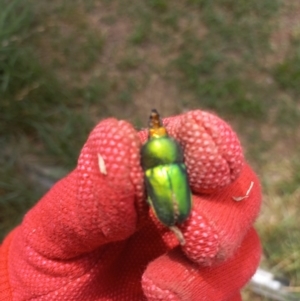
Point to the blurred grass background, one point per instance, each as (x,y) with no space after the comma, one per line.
(64,65)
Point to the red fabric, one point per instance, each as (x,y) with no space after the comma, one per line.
(5,288)
(92,236)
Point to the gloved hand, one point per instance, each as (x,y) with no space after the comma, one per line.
(93,237)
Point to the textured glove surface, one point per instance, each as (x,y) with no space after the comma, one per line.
(92,236)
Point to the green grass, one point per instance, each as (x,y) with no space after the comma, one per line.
(20,74)
(218,91)
(66,65)
(287,74)
(17,194)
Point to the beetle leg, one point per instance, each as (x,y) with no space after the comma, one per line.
(149,201)
(178,234)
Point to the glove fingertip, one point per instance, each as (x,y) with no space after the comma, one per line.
(201,240)
(212,151)
(110,181)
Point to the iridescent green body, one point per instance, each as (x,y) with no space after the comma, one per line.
(166,178)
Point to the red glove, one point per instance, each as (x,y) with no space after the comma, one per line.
(91,237)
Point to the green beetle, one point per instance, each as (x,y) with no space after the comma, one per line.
(166,179)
